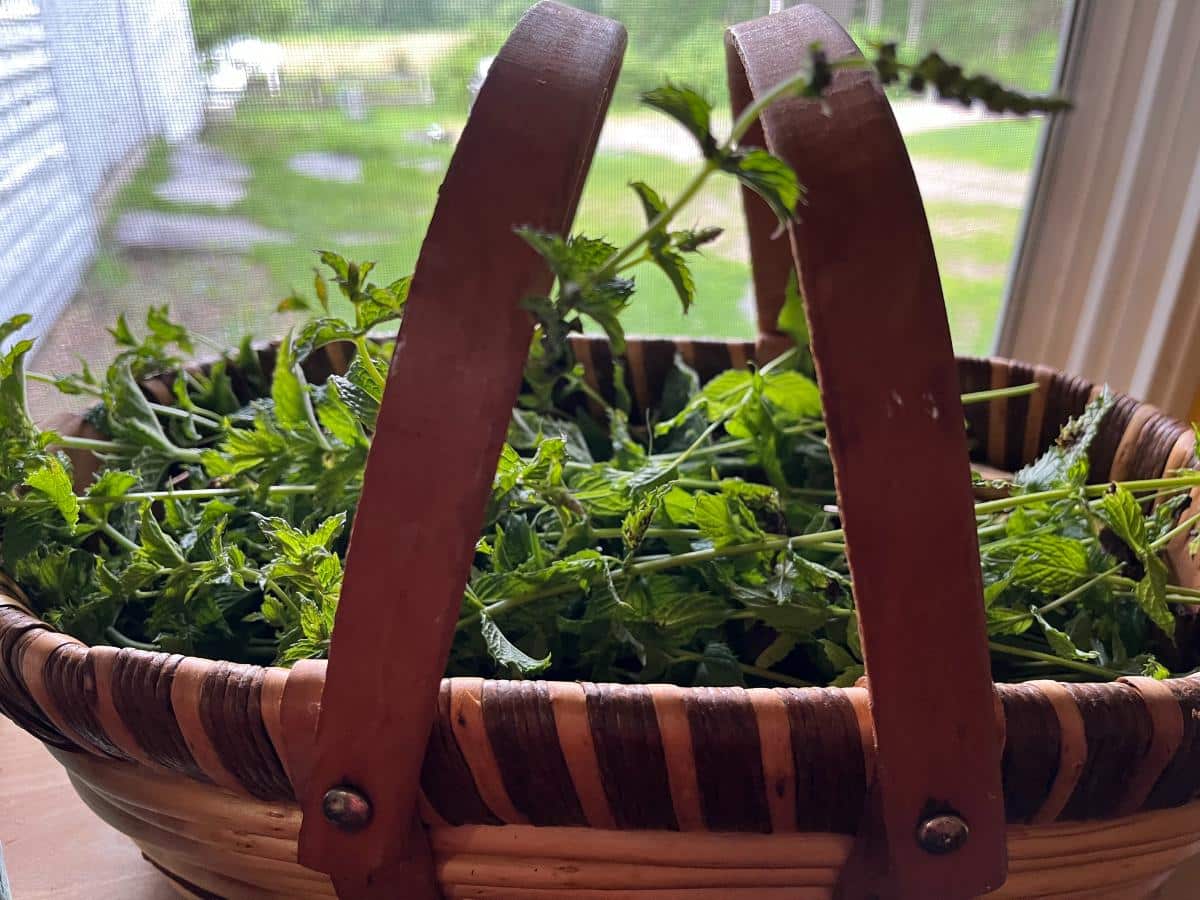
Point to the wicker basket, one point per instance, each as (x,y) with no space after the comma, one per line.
(551,789)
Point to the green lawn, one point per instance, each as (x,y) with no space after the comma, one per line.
(1008,145)
(383,217)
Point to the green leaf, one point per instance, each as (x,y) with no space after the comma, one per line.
(652,204)
(247,448)
(725,520)
(1004,621)
(130,416)
(383,304)
(296,545)
(339,419)
(167,332)
(1120,510)
(579,570)
(792,318)
(769,177)
(316,333)
(507,655)
(157,545)
(1060,642)
(689,109)
(1065,463)
(691,240)
(337,263)
(793,394)
(293,303)
(1050,564)
(571,259)
(777,651)
(359,392)
(1151,595)
(719,667)
(54,482)
(637,521)
(321,289)
(676,269)
(289,390)
(672,608)
(839,657)
(12,326)
(121,333)
(726,391)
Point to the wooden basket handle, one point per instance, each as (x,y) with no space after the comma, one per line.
(882,348)
(454,378)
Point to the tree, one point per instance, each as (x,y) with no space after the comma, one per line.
(214,21)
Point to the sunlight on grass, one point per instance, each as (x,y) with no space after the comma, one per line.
(1009,144)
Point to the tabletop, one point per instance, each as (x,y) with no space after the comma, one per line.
(53,845)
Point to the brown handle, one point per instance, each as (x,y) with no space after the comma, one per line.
(454,379)
(881,343)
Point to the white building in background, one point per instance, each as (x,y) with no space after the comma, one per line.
(84,84)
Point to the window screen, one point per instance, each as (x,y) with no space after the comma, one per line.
(159,152)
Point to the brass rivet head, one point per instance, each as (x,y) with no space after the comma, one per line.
(942,834)
(346,808)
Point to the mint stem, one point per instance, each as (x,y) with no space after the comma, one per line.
(1094,671)
(766,674)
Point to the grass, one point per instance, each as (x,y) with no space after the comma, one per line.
(383,217)
(1009,144)
(974,245)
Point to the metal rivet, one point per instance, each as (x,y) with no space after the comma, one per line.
(346,808)
(942,834)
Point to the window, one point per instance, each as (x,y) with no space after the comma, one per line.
(156,156)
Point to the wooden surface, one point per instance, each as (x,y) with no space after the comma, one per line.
(53,846)
(454,378)
(891,398)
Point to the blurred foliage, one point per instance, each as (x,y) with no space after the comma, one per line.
(215,21)
(1016,41)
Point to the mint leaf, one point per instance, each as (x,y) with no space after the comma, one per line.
(130,416)
(54,482)
(1121,512)
(314,334)
(336,416)
(637,521)
(383,304)
(793,394)
(1151,595)
(725,520)
(769,177)
(507,655)
(1060,642)
(158,546)
(777,651)
(288,390)
(1065,464)
(689,109)
(676,269)
(719,667)
(652,204)
(793,321)
(1050,564)
(690,241)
